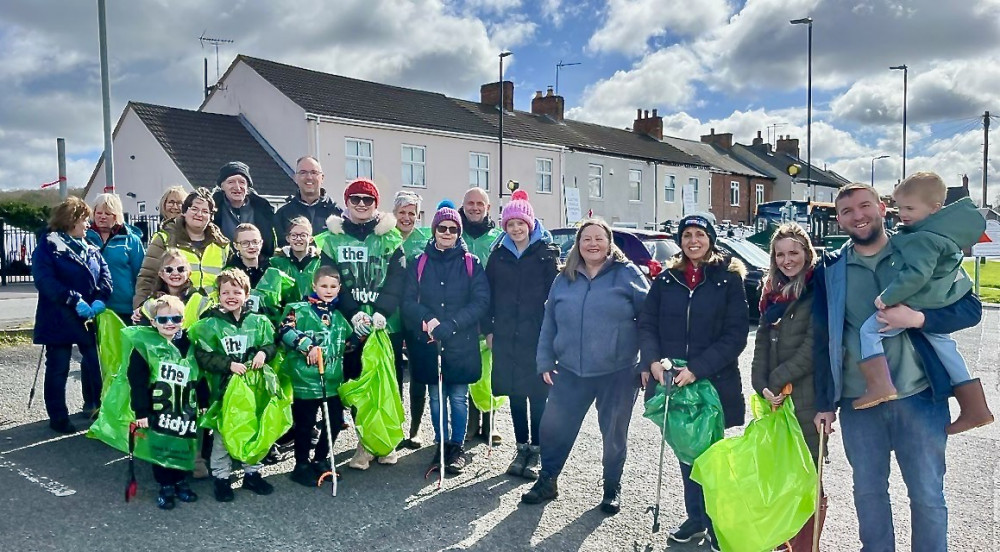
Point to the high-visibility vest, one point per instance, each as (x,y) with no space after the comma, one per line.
(205,268)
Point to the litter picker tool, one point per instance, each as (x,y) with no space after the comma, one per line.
(34,382)
(440,465)
(132,487)
(668,383)
(332,474)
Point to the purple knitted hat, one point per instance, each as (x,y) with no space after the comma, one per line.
(518,208)
(446,211)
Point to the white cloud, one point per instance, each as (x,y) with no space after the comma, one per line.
(629,24)
(512,32)
(492,6)
(552,10)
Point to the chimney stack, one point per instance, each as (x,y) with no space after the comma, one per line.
(549,105)
(758,140)
(651,126)
(965,181)
(489,94)
(724,140)
(787,145)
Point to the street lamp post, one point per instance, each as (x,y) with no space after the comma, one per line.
(809,103)
(874,159)
(905,71)
(500,135)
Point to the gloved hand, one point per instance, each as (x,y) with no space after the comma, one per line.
(83,310)
(98,307)
(378,321)
(362,324)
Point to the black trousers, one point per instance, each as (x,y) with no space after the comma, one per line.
(304,418)
(57,359)
(168,476)
(694,499)
(519,415)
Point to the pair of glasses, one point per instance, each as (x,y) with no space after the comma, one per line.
(443,229)
(299,236)
(365,200)
(194,211)
(171,269)
(172,319)
(308,173)
(175,202)
(250,243)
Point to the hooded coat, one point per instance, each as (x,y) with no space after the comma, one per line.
(519,286)
(706,326)
(445,291)
(124,253)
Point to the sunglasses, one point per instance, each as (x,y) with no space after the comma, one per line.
(356,200)
(173,319)
(172,269)
(444,229)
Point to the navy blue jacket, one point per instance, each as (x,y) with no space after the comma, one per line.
(63,278)
(446,292)
(706,326)
(830,279)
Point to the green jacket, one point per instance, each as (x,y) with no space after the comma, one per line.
(300,270)
(219,339)
(414,244)
(929,254)
(304,328)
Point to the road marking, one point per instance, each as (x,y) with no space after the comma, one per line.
(45,442)
(50,485)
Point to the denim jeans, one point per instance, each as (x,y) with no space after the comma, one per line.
(57,358)
(914,428)
(944,346)
(456,396)
(569,400)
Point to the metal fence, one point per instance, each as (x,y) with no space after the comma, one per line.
(147,225)
(16,245)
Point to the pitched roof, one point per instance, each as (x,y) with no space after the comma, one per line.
(199,143)
(775,164)
(714,156)
(578,135)
(955,193)
(334,95)
(338,96)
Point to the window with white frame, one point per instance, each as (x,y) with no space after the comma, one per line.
(414,165)
(596,180)
(141,206)
(734,193)
(634,185)
(358,154)
(479,170)
(693,182)
(543,175)
(669,188)
(760,194)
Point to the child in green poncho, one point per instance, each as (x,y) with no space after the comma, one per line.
(310,328)
(166,393)
(229,342)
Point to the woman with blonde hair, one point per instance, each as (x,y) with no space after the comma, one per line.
(783,347)
(588,352)
(73,284)
(121,246)
(171,202)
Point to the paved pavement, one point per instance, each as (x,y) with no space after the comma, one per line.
(17,305)
(66,493)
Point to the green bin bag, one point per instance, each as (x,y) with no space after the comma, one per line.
(694,418)
(256,410)
(379,417)
(482,391)
(109,346)
(760,487)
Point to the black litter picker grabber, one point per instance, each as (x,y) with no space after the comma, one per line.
(668,384)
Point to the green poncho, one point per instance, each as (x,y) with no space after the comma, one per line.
(328,333)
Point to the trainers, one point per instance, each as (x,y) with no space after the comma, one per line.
(713,541)
(412,443)
(687,531)
(62,426)
(223,490)
(184,492)
(165,500)
(255,483)
(362,458)
(304,475)
(454,458)
(389,459)
(497,440)
(534,464)
(200,468)
(516,467)
(543,489)
(611,504)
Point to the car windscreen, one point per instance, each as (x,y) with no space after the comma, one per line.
(753,254)
(661,249)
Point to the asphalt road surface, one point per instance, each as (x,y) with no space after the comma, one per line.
(66,493)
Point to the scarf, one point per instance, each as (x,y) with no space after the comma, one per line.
(693,275)
(773,302)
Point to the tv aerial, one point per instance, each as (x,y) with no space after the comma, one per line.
(214,42)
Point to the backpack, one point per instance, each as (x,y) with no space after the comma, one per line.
(422,262)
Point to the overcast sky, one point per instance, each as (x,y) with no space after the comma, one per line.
(732,65)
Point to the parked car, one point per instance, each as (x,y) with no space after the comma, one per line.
(648,249)
(757,262)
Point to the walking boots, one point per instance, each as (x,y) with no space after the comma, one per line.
(974,410)
(880,388)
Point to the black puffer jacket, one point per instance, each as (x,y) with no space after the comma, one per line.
(446,292)
(706,326)
(518,289)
